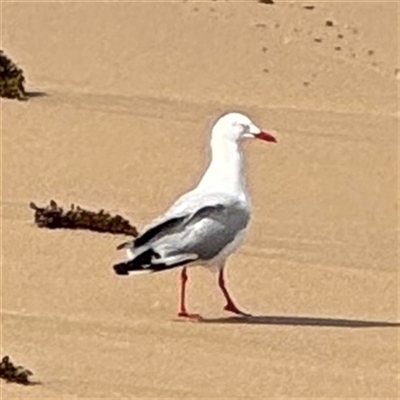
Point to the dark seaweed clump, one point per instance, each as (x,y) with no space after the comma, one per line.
(54,217)
(18,374)
(11,79)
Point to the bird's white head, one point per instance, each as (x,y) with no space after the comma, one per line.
(236,127)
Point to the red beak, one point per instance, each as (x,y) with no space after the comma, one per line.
(265,136)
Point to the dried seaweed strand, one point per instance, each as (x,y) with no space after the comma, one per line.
(54,217)
(17,374)
(11,79)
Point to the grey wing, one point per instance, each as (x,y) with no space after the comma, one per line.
(171,221)
(206,232)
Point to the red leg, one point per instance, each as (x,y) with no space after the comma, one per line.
(182,301)
(230,305)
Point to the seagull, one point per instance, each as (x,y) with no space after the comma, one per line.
(205,225)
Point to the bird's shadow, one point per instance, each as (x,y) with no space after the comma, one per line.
(300,321)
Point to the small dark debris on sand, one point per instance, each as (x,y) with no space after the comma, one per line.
(10,373)
(309,7)
(54,217)
(318,40)
(266,1)
(11,79)
(329,23)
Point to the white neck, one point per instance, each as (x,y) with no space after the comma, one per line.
(225,172)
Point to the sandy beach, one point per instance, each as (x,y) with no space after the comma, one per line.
(124,95)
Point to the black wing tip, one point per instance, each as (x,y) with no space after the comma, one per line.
(121,269)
